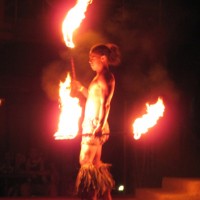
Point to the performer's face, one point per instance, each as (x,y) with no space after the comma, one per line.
(95,61)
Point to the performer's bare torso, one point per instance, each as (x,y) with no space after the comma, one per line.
(97,107)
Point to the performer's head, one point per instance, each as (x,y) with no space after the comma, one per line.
(105,55)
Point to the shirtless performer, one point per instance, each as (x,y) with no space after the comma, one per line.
(94,179)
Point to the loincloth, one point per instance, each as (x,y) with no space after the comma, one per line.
(91,139)
(92,179)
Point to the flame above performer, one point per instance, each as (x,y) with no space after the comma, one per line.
(73,20)
(143,124)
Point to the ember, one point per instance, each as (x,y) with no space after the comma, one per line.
(154,112)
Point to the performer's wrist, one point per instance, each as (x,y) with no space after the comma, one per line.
(81,89)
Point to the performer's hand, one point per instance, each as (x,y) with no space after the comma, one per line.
(98,134)
(76,85)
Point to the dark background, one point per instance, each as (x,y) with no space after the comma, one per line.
(159,42)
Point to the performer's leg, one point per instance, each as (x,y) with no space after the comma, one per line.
(90,155)
(87,153)
(97,158)
(107,195)
(97,162)
(94,195)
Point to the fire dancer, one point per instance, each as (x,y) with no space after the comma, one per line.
(94,178)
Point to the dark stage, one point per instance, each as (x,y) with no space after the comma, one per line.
(159,42)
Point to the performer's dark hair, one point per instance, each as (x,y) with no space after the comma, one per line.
(110,50)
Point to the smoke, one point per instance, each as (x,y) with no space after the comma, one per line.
(57,70)
(144,44)
(81,54)
(53,73)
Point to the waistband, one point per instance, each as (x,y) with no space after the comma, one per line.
(96,134)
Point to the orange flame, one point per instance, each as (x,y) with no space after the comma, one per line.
(154,112)
(73,20)
(68,126)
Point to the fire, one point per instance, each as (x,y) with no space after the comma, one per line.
(73,20)
(154,112)
(68,126)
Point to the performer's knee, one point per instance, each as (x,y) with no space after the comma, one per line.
(83,160)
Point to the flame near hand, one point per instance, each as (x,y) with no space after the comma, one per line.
(68,127)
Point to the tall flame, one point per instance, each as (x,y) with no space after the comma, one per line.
(154,112)
(73,20)
(68,126)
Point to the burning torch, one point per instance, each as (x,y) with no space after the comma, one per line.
(68,126)
(71,22)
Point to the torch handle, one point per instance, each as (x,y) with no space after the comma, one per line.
(73,88)
(73,68)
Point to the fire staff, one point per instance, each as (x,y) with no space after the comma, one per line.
(94,178)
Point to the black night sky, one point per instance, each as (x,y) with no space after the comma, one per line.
(159,42)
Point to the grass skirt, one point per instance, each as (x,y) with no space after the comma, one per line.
(91,179)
